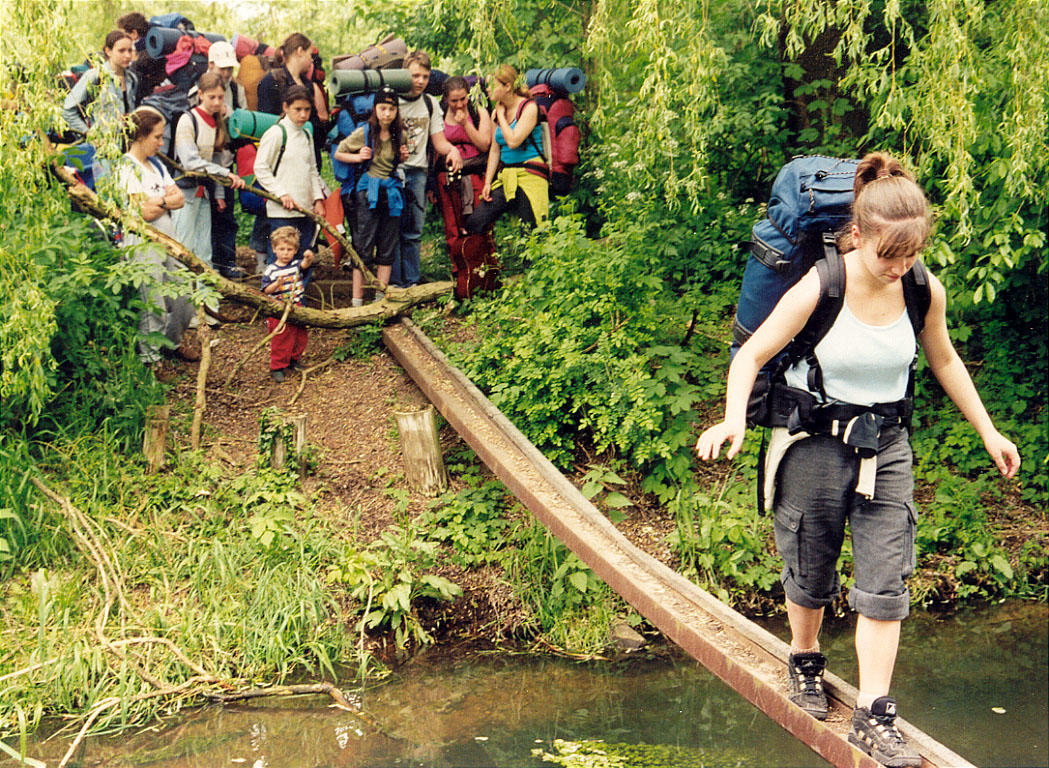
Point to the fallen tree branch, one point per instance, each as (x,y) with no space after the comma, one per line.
(201,401)
(260,344)
(397,299)
(369,277)
(305,371)
(286,690)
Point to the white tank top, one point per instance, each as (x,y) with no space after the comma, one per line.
(862,364)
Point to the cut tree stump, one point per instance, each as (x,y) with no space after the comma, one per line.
(279,457)
(154,443)
(423,458)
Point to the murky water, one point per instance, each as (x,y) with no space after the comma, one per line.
(953,676)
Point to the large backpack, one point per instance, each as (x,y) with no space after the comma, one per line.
(560,134)
(350,115)
(811,202)
(172,103)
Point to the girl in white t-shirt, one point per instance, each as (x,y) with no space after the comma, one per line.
(151,187)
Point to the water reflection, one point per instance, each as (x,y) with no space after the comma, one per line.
(492,711)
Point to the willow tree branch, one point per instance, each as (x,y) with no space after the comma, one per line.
(397,299)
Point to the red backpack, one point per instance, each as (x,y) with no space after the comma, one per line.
(558,112)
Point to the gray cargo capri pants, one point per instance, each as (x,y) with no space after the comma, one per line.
(815,495)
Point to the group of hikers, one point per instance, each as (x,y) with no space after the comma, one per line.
(839,408)
(395,149)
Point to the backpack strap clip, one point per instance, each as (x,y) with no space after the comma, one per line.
(767,255)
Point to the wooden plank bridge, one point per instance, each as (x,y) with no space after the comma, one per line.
(744,655)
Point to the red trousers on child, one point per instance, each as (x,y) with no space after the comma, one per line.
(286,346)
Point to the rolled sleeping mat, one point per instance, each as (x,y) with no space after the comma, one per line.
(243,123)
(565,80)
(160,41)
(346,81)
(388,53)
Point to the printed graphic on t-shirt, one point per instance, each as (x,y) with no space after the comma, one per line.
(292,275)
(417,132)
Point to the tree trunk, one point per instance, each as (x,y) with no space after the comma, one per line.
(423,459)
(155,440)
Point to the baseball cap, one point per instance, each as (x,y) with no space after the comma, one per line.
(221,54)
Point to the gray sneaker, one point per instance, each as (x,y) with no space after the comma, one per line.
(874,731)
(806,682)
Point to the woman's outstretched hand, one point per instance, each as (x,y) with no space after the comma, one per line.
(709,444)
(1003,452)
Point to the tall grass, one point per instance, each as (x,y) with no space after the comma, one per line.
(190,572)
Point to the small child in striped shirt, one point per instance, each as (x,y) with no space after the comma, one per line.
(283,279)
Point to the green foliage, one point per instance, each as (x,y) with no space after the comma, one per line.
(723,541)
(956,525)
(362,342)
(591,344)
(474,523)
(598,754)
(389,577)
(599,483)
(571,605)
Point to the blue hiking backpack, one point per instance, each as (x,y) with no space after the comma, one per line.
(811,196)
(351,114)
(811,203)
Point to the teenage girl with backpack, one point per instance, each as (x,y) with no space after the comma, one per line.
(380,146)
(202,144)
(150,187)
(106,93)
(468,128)
(865,360)
(517,175)
(298,64)
(285,167)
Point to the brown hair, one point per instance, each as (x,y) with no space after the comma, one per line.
(294,42)
(297,93)
(455,83)
(142,121)
(134,22)
(890,207)
(422,58)
(209,81)
(288,235)
(113,38)
(511,78)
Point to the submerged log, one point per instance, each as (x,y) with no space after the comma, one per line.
(423,459)
(397,299)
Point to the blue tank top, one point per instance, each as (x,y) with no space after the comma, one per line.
(527,149)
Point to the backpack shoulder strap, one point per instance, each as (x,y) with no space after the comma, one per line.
(831,272)
(156,165)
(283,146)
(917,295)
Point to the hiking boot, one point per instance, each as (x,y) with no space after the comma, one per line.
(874,732)
(806,682)
(294,365)
(277,375)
